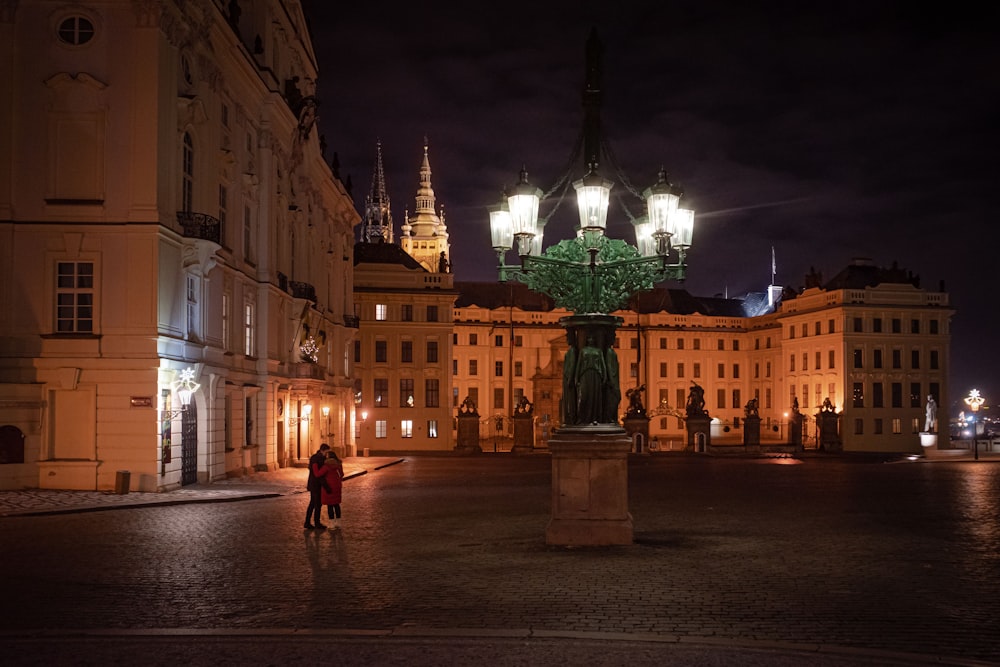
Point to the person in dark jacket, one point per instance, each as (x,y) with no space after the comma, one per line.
(331,495)
(314,485)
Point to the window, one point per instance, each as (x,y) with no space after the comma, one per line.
(767,398)
(498,369)
(223,199)
(473,367)
(915,394)
(663,369)
(381,312)
(192,305)
(381,351)
(805,329)
(896,394)
(721,344)
(381,392)
(805,396)
(805,361)
(432,428)
(878,400)
(432,351)
(680,374)
(736,398)
(680,343)
(767,369)
(432,393)
(897,358)
(817,328)
(934,326)
(473,339)
(877,324)
(877,358)
(914,326)
(830,326)
(697,343)
(722,370)
(736,346)
(406,392)
(818,360)
(897,325)
(248,235)
(432,313)
(357,351)
(406,351)
(720,398)
(915,359)
(473,395)
(858,327)
(697,370)
(859,427)
(791,363)
(380,428)
(859,395)
(406,312)
(75,297)
(249,325)
(406,428)
(76,30)
(756,369)
(897,425)
(633,370)
(454,366)
(518,368)
(831,359)
(878,426)
(934,360)
(187,174)
(226,321)
(498,340)
(736,373)
(498,400)
(859,359)
(663,343)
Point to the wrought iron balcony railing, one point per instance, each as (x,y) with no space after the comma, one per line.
(301,290)
(200,226)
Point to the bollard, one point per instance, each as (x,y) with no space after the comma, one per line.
(122,480)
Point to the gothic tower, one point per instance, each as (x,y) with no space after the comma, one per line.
(376,226)
(425,237)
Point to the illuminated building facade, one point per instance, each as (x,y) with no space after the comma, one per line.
(169,231)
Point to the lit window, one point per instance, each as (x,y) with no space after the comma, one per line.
(406,428)
(380,428)
(432,428)
(249,317)
(381,312)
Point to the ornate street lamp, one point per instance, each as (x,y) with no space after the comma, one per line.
(186,388)
(591,274)
(974,401)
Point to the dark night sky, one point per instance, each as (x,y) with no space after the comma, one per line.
(826,130)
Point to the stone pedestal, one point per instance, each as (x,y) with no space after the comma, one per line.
(829,431)
(524,434)
(637,429)
(590,487)
(751,432)
(928,441)
(468,434)
(699,433)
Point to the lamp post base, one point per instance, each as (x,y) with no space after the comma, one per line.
(590,487)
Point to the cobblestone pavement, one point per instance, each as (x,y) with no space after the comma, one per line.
(442,560)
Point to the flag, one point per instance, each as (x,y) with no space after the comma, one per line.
(774,265)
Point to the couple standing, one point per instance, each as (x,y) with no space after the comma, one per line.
(326,474)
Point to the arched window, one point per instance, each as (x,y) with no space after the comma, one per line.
(187,162)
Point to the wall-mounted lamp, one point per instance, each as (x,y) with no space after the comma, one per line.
(185,387)
(325,430)
(304,414)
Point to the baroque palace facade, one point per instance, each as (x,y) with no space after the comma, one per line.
(870,340)
(170,233)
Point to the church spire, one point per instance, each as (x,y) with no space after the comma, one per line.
(425,236)
(377,223)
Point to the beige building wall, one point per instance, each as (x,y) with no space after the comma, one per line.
(164,205)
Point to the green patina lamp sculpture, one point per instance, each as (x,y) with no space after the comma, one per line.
(592,275)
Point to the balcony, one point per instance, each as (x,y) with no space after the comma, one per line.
(301,290)
(352,321)
(201,226)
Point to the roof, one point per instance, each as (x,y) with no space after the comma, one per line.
(384,253)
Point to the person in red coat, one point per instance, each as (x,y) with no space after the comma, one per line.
(333,477)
